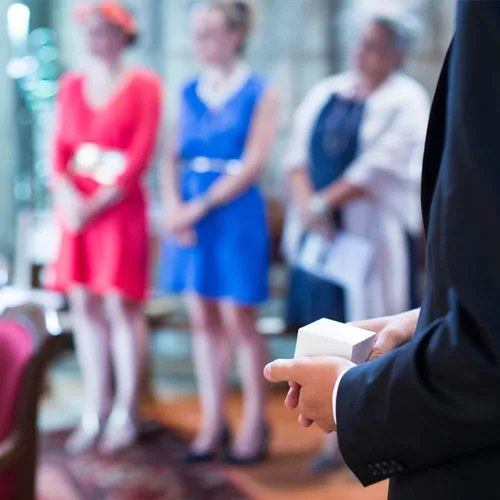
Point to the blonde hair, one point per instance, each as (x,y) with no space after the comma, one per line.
(239,15)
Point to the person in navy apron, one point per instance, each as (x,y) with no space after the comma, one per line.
(217,250)
(334,145)
(350,164)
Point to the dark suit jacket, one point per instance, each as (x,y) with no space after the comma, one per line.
(428,414)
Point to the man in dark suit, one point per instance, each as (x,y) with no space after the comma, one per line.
(427,413)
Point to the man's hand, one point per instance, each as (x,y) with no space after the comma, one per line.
(311,387)
(392,331)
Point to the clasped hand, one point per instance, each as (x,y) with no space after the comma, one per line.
(74,209)
(182,218)
(316,223)
(312,380)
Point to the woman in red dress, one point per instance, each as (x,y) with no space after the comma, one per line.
(107,124)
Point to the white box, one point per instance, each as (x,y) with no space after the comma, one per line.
(330,338)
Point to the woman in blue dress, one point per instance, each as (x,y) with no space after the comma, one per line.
(217,251)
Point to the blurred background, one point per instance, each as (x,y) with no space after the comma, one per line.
(296,44)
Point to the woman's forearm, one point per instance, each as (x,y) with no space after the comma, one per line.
(301,187)
(169,175)
(169,182)
(335,195)
(103,199)
(340,193)
(229,187)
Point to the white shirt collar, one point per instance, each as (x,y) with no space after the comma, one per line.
(216,89)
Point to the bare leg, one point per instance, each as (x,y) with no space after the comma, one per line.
(252,355)
(128,348)
(211,357)
(92,349)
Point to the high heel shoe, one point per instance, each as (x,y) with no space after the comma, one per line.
(85,436)
(119,434)
(195,457)
(262,452)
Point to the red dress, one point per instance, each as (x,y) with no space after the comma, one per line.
(110,253)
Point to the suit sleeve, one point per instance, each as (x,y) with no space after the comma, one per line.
(145,137)
(436,399)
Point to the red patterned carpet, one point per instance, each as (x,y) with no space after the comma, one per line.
(285,476)
(152,470)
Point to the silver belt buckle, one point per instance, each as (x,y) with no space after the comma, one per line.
(234,167)
(200,164)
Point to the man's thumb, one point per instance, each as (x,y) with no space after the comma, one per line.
(281,370)
(385,343)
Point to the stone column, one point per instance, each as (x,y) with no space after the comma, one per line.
(6,139)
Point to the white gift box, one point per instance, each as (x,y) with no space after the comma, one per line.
(330,338)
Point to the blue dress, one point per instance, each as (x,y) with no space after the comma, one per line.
(334,145)
(232,255)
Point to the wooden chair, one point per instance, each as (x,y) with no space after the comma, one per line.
(25,351)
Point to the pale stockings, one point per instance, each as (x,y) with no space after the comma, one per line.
(211,358)
(252,356)
(91,334)
(111,331)
(214,325)
(128,351)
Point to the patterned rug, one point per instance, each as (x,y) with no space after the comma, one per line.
(152,470)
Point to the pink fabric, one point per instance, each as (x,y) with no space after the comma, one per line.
(16,349)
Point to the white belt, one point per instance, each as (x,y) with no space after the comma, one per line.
(102,165)
(202,164)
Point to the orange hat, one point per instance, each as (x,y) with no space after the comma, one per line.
(114,13)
